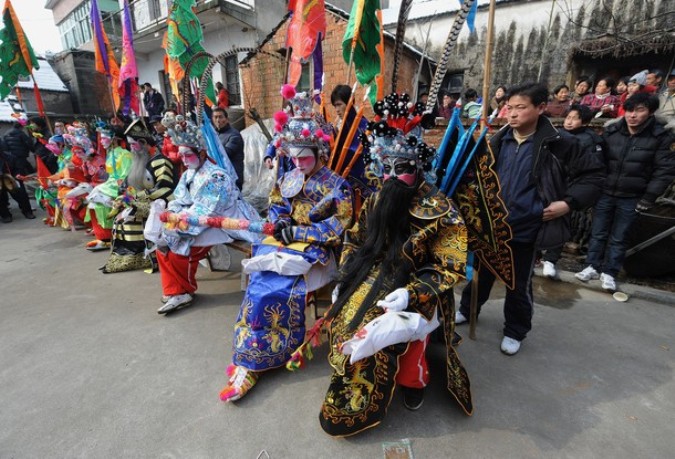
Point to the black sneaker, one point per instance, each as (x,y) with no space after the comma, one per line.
(7,219)
(413,398)
(29,215)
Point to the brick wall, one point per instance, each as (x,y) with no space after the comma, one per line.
(263,75)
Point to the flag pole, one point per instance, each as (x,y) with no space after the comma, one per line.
(40,104)
(488,64)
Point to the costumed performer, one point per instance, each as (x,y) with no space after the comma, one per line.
(399,264)
(204,190)
(117,165)
(310,207)
(151,177)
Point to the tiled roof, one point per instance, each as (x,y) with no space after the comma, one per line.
(6,109)
(46,78)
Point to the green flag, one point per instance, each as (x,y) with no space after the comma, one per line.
(16,54)
(364,37)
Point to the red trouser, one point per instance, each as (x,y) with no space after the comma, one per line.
(102,234)
(412,366)
(178,272)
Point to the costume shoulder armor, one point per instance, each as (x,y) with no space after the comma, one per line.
(429,203)
(291,183)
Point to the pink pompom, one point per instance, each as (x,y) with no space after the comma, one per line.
(319,134)
(281,117)
(278,128)
(287,91)
(306,132)
(326,138)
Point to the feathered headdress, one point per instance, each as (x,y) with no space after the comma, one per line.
(304,128)
(395,131)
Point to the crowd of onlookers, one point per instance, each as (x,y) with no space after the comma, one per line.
(605,97)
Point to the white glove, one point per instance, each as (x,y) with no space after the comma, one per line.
(335,294)
(396,301)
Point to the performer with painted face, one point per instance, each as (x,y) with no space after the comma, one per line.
(310,207)
(118,163)
(204,190)
(399,263)
(151,177)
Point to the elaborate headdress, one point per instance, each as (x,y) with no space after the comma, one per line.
(304,128)
(138,130)
(184,133)
(395,132)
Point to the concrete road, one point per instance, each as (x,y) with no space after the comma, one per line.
(89,369)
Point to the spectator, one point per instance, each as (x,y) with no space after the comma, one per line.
(472,109)
(447,106)
(667,99)
(590,144)
(543,176)
(654,81)
(223,96)
(636,84)
(640,165)
(581,88)
(602,103)
(560,104)
(19,146)
(232,142)
(159,131)
(153,101)
(498,101)
(8,185)
(622,86)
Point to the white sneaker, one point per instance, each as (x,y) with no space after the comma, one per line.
(587,274)
(608,282)
(510,346)
(459,318)
(548,270)
(175,302)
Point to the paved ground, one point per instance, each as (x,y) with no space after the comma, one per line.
(89,369)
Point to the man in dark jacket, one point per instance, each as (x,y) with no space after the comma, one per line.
(18,146)
(232,142)
(640,160)
(590,143)
(153,101)
(543,176)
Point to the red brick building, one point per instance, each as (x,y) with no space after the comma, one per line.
(263,75)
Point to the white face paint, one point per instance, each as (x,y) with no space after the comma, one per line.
(134,145)
(190,159)
(304,159)
(106,141)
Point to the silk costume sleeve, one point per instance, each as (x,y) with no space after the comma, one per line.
(280,207)
(446,245)
(330,217)
(355,235)
(208,200)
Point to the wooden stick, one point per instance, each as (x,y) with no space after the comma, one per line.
(357,153)
(488,65)
(473,311)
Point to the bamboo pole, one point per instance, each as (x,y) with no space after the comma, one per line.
(40,104)
(488,64)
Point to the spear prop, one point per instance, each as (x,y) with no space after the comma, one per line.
(181,221)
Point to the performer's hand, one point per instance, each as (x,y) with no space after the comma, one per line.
(643,205)
(287,235)
(268,163)
(555,209)
(279,226)
(396,301)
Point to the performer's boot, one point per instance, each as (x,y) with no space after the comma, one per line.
(241,381)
